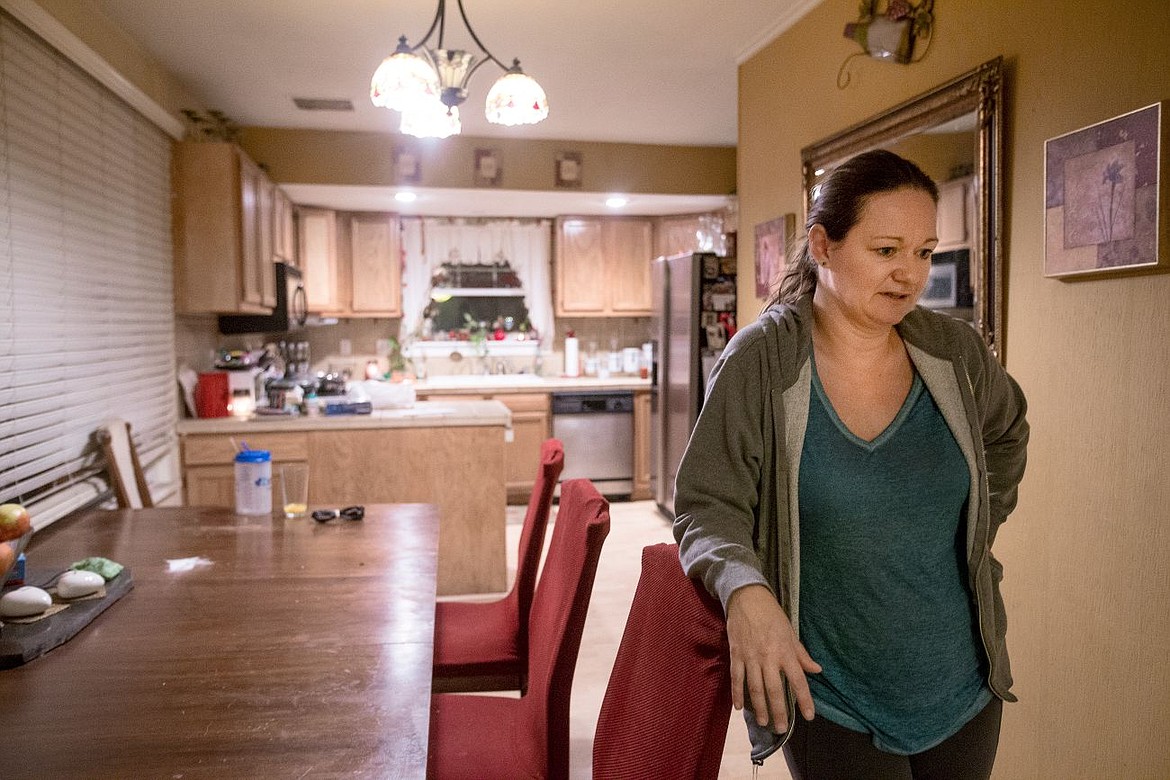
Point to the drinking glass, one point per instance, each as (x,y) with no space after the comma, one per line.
(294,485)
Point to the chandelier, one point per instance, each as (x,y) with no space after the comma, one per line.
(427,85)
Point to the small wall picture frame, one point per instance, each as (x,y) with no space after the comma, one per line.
(407,169)
(568,170)
(1104,197)
(489,172)
(772,239)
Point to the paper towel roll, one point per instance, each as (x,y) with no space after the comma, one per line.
(572,357)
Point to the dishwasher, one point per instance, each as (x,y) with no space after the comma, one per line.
(597,429)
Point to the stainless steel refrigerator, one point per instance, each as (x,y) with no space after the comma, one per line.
(694,313)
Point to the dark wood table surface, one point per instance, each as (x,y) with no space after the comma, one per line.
(303,651)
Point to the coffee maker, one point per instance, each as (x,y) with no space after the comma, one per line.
(245,391)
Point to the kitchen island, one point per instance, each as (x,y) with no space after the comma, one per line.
(448,453)
(529,399)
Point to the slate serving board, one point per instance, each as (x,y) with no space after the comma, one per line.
(22,642)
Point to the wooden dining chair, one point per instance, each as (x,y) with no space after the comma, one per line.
(483,646)
(126,475)
(667,706)
(484,737)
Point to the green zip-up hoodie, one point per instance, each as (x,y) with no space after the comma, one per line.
(736,497)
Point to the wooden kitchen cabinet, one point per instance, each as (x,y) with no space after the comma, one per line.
(531,425)
(955,207)
(603,266)
(265,238)
(209,471)
(317,245)
(375,266)
(284,229)
(458,469)
(679,233)
(641,489)
(352,262)
(222,231)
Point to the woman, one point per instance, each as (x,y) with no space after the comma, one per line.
(867,450)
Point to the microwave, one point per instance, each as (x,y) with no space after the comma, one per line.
(290,313)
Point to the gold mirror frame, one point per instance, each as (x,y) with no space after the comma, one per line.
(979,91)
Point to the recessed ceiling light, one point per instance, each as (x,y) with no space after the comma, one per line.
(405,197)
(616,201)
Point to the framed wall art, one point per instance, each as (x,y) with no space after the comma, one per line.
(1103,209)
(407,169)
(488,170)
(568,170)
(772,239)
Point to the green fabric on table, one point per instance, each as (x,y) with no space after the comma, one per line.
(103,566)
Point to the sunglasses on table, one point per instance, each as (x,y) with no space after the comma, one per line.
(348,513)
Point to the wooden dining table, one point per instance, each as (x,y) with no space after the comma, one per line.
(291,649)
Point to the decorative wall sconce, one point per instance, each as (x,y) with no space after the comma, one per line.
(891,34)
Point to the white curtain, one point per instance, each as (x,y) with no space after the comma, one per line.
(525,244)
(416,279)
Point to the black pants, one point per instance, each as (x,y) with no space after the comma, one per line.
(821,750)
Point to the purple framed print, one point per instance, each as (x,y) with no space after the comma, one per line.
(1102,198)
(772,239)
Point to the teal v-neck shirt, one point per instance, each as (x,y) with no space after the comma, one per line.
(884,603)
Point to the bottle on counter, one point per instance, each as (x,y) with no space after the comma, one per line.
(312,405)
(572,355)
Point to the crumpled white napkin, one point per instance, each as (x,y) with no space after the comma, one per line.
(187,564)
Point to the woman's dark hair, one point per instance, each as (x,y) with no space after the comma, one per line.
(837,207)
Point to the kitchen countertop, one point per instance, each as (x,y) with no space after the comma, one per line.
(424,414)
(427,414)
(512,383)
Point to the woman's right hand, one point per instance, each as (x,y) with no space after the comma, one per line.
(764,645)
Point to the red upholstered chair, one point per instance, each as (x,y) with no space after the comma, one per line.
(481,737)
(483,646)
(667,706)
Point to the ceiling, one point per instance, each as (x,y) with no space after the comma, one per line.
(650,71)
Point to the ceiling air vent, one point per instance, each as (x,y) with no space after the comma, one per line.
(323,104)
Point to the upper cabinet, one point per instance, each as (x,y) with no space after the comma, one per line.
(955,209)
(317,255)
(284,229)
(352,262)
(223,231)
(603,266)
(375,266)
(681,233)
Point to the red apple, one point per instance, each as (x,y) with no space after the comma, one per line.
(14,521)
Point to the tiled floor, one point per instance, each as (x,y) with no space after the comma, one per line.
(633,526)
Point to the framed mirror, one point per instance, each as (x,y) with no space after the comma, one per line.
(955,133)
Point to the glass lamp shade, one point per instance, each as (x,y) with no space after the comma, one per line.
(454,68)
(516,99)
(431,119)
(403,80)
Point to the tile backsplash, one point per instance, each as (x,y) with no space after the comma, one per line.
(350,344)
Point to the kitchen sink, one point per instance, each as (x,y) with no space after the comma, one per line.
(482,380)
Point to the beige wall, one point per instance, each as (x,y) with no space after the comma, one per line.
(1088,550)
(135,64)
(331,157)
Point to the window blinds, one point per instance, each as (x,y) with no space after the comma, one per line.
(86,307)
